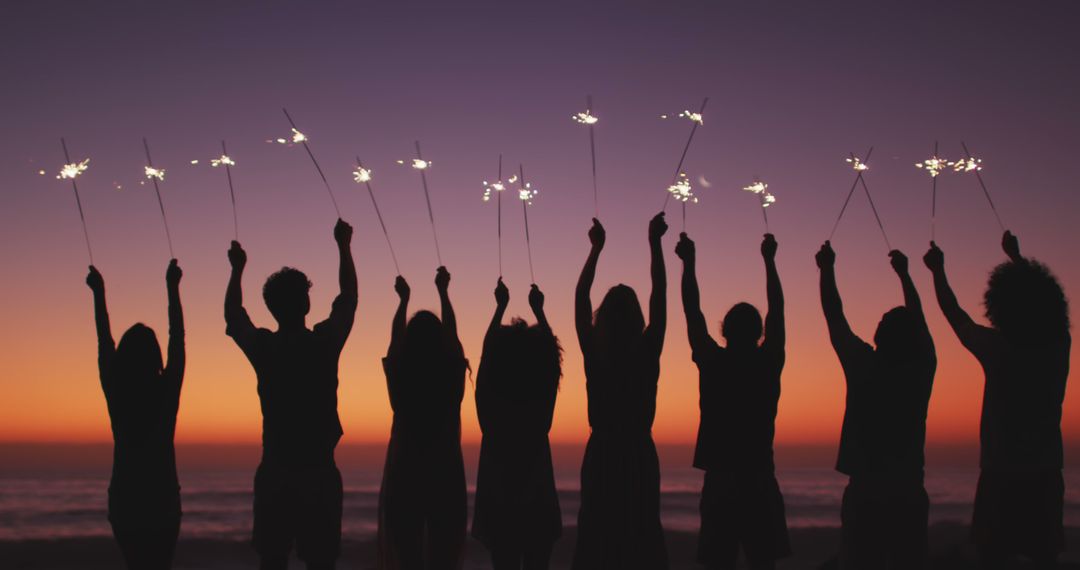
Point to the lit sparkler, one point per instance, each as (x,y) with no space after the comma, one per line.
(422,165)
(71,171)
(299,137)
(681,190)
(496,188)
(966,165)
(860,166)
(697,119)
(972,164)
(362,175)
(933,166)
(226,161)
(526,193)
(588,119)
(158,175)
(767,199)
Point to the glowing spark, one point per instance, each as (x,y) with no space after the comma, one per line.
(74,169)
(969,164)
(586,118)
(934,165)
(757,188)
(693,116)
(513,179)
(297,138)
(681,190)
(41,172)
(223,161)
(857,164)
(361,175)
(767,200)
(196,161)
(527,193)
(491,188)
(152,173)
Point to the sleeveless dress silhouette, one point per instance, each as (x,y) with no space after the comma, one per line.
(423,502)
(619,520)
(517,507)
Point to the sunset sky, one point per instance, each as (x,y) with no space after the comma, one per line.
(793,86)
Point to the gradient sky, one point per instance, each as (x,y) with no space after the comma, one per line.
(794,87)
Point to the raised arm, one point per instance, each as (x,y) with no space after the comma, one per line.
(840,332)
(775,330)
(343,313)
(582,299)
(696,328)
(397,326)
(106,345)
(971,335)
(654,332)
(899,263)
(536,302)
(442,283)
(174,369)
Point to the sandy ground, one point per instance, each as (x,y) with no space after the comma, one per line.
(813,549)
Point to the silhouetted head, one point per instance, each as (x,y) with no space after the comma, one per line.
(428,355)
(286,295)
(742,325)
(138,355)
(424,335)
(619,318)
(897,335)
(1026,303)
(524,361)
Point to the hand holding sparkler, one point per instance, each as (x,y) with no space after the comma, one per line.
(1011,245)
(825,257)
(934,259)
(95,281)
(173,274)
(442,279)
(401,287)
(899,262)
(657,228)
(237,256)
(502,294)
(343,233)
(597,235)
(685,249)
(536,300)
(768,247)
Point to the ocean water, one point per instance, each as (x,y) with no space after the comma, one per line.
(57,501)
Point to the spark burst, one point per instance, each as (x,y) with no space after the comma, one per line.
(154,173)
(223,160)
(967,165)
(681,190)
(72,170)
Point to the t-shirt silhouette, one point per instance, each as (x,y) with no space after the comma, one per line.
(297,382)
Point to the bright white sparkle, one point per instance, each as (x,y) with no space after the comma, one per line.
(361,175)
(681,190)
(857,164)
(151,172)
(527,193)
(934,165)
(224,160)
(586,118)
(490,188)
(74,169)
(969,164)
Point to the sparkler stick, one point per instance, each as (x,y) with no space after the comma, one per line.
(683,192)
(299,137)
(695,118)
(526,194)
(363,175)
(972,164)
(859,166)
(933,166)
(767,199)
(72,170)
(587,118)
(156,174)
(497,188)
(227,162)
(422,165)
(874,209)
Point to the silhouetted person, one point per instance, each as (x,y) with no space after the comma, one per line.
(619,520)
(142,396)
(422,503)
(298,489)
(1025,356)
(517,509)
(884,511)
(741,504)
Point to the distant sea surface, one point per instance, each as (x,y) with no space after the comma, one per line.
(59,491)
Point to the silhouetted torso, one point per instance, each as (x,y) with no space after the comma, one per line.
(739,393)
(297,384)
(516,501)
(1021,412)
(884,428)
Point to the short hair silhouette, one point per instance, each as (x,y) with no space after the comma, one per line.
(897,335)
(286,293)
(138,354)
(520,350)
(1026,303)
(619,317)
(742,325)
